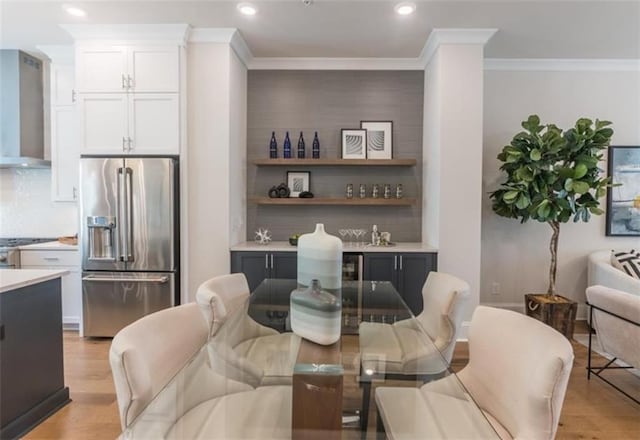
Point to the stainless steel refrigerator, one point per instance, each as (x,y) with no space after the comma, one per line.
(129,239)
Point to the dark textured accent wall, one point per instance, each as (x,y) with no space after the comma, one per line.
(326,102)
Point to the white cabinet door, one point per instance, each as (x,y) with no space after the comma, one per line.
(101,69)
(62,82)
(154,69)
(103,123)
(154,123)
(65,154)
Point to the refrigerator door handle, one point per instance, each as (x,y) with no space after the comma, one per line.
(123,214)
(161,280)
(128,220)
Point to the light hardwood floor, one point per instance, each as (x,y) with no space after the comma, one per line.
(592,409)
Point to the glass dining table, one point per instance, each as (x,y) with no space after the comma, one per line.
(330,386)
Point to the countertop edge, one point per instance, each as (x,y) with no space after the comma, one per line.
(26,277)
(49,246)
(284,246)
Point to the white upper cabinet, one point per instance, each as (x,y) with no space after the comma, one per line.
(65,154)
(103,123)
(154,123)
(117,69)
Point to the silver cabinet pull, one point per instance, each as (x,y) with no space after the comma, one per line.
(266,261)
(50,258)
(271,261)
(124,82)
(123,142)
(161,280)
(129,82)
(395,262)
(73,95)
(400,262)
(75,193)
(129,142)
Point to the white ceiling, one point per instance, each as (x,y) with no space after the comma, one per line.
(332,28)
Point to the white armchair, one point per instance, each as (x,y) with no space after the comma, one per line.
(602,273)
(166,389)
(517,374)
(615,315)
(240,348)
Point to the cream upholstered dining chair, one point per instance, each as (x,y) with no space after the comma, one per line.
(517,375)
(239,347)
(166,389)
(399,351)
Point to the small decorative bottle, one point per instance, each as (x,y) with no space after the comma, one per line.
(399,191)
(375,191)
(301,147)
(349,192)
(363,191)
(315,149)
(286,148)
(387,191)
(273,146)
(375,236)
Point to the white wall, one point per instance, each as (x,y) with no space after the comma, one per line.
(216,109)
(517,256)
(453,155)
(238,150)
(26,209)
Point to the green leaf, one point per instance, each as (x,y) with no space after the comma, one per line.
(568,185)
(523,202)
(580,171)
(596,211)
(535,155)
(510,196)
(580,187)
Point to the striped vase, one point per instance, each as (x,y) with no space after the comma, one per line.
(320,258)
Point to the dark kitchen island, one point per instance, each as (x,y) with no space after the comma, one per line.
(31,358)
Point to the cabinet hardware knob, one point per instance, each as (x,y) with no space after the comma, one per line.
(124,82)
(130,141)
(266,261)
(75,193)
(123,141)
(129,82)
(400,262)
(73,95)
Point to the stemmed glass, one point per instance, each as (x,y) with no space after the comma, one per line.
(343,233)
(363,234)
(358,233)
(350,233)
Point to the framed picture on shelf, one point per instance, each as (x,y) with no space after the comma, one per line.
(298,181)
(623,201)
(354,143)
(379,139)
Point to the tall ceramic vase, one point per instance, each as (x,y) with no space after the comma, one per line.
(320,258)
(316,305)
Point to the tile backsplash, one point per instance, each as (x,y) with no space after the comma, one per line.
(26,209)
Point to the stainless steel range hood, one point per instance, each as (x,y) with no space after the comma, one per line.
(21,111)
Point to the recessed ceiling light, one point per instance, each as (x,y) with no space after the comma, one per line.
(405,8)
(72,10)
(247,9)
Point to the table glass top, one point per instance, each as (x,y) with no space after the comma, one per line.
(255,378)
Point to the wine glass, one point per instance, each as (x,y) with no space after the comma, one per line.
(363,234)
(359,233)
(343,233)
(349,235)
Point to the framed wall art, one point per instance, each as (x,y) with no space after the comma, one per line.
(298,181)
(379,139)
(354,143)
(623,201)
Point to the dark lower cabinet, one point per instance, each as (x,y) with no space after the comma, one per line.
(257,266)
(31,361)
(407,271)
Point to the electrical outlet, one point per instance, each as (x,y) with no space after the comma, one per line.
(495,288)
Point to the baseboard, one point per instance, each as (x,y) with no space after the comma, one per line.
(70,323)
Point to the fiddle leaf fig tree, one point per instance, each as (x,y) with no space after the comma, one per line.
(553,176)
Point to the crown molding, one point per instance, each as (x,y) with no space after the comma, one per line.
(239,46)
(137,32)
(211,35)
(59,54)
(562,65)
(438,37)
(335,64)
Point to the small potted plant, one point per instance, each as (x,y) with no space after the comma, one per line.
(552,176)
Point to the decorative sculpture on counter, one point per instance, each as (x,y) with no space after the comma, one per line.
(273,146)
(301,147)
(315,149)
(306,195)
(315,314)
(263,236)
(286,150)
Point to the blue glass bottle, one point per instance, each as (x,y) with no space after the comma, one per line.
(315,148)
(301,147)
(286,150)
(273,146)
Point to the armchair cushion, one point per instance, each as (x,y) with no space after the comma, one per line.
(601,272)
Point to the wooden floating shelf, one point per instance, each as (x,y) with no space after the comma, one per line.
(336,162)
(333,201)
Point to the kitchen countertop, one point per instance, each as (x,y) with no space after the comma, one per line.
(284,246)
(11,279)
(49,246)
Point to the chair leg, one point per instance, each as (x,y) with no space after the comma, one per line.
(364,415)
(380,432)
